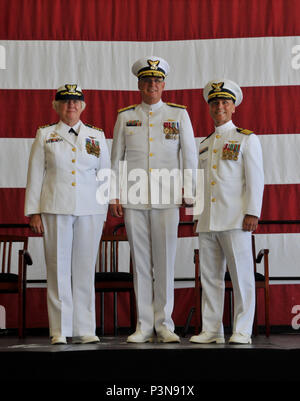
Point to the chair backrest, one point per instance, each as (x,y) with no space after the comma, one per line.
(110,253)
(185,229)
(257,258)
(8,246)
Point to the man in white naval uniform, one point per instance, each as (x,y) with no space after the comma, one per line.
(61,202)
(149,137)
(234,181)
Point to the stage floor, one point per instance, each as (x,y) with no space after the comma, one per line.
(113,365)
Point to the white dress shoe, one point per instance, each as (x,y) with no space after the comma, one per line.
(139,337)
(58,340)
(206,337)
(240,338)
(86,340)
(167,336)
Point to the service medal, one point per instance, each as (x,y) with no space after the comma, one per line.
(171,130)
(230,151)
(92,147)
(54,137)
(133,123)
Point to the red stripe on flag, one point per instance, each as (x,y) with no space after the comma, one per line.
(12,206)
(147,20)
(280,202)
(265,110)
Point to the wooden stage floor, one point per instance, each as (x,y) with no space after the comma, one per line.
(114,366)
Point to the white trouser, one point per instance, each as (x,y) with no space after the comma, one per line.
(152,236)
(216,249)
(71,246)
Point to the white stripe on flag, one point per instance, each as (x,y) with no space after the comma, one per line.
(106,65)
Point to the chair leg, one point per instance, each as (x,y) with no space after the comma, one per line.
(24,314)
(115,313)
(102,314)
(197,292)
(20,316)
(21,294)
(188,321)
(230,308)
(197,308)
(255,322)
(267,311)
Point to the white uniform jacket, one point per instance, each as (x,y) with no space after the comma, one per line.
(234,178)
(62,172)
(149,138)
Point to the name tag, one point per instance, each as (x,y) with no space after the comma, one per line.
(203,150)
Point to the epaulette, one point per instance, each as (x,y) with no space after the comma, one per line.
(132,107)
(244,131)
(47,125)
(92,126)
(180,106)
(207,137)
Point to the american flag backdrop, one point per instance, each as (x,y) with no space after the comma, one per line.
(46,43)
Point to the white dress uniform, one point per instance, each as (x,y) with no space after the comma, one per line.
(61,186)
(148,138)
(234,180)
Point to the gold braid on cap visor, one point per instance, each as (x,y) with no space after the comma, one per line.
(151,73)
(70,93)
(223,94)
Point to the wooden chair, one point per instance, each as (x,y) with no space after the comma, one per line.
(108,278)
(261,281)
(15,282)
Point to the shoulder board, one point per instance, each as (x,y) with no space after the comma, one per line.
(207,137)
(180,106)
(47,125)
(132,107)
(92,126)
(244,131)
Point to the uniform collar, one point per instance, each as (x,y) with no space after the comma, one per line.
(75,127)
(225,127)
(63,130)
(152,107)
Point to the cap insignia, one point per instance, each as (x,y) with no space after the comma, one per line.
(71,90)
(153,64)
(217,86)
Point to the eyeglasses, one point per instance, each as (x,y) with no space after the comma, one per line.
(76,101)
(150,80)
